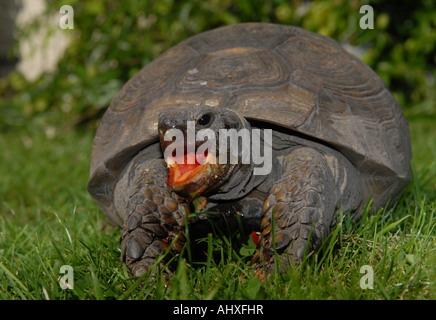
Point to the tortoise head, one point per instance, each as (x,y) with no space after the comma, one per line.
(196,148)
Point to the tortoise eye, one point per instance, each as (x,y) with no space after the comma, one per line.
(204,120)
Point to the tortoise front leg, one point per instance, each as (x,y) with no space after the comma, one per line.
(153,215)
(304,202)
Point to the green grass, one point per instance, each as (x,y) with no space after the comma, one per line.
(47,220)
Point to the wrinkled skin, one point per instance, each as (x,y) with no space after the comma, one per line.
(304,192)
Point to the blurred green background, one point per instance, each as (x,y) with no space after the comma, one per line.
(112,40)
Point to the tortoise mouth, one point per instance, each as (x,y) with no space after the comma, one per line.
(190,175)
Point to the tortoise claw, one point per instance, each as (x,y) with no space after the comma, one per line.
(134,249)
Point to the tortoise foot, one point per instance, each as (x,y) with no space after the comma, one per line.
(153,230)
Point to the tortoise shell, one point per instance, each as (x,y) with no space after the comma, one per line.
(282,75)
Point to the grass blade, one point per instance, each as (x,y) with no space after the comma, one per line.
(16,280)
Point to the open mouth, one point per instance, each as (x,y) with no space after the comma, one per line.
(189,173)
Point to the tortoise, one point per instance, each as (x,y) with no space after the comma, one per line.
(338,140)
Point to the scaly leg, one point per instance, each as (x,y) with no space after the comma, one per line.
(304,202)
(153,214)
